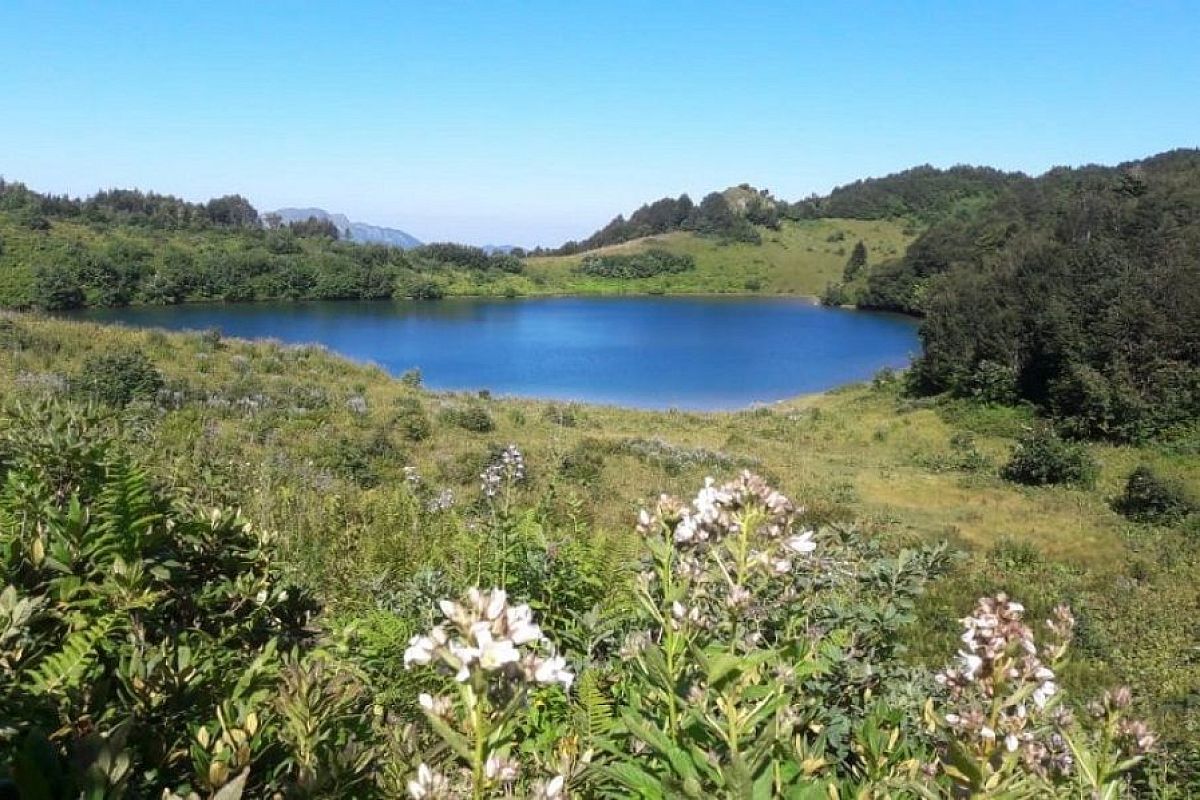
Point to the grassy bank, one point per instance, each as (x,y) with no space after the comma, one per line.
(373,486)
(799,258)
(315,446)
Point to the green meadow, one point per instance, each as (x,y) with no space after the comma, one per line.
(801,258)
(317,448)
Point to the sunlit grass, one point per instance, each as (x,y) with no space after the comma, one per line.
(800,258)
(328,478)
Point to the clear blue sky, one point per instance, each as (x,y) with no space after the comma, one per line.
(532,122)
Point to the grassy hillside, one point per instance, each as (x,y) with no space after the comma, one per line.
(87,253)
(800,258)
(317,448)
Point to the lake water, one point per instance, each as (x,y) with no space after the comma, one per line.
(648,352)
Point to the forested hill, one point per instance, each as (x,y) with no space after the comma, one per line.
(127,246)
(923,195)
(1078,291)
(734,215)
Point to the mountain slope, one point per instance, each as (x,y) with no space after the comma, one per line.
(800,258)
(354,231)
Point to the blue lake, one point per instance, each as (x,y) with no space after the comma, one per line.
(648,352)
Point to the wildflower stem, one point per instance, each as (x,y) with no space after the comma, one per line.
(670,633)
(479,731)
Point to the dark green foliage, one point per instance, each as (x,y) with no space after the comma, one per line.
(56,289)
(411,419)
(661,216)
(315,227)
(1150,497)
(130,620)
(637,265)
(233,211)
(835,294)
(467,257)
(715,216)
(1087,292)
(991,383)
(423,289)
(924,193)
(118,379)
(856,262)
(471,417)
(159,249)
(1042,458)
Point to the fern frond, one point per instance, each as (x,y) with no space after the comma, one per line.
(63,670)
(123,514)
(594,717)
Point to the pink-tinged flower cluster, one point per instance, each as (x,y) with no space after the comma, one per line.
(508,468)
(443,501)
(500,771)
(1003,686)
(999,651)
(720,511)
(487,633)
(731,543)
(1134,736)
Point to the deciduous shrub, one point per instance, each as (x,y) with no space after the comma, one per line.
(637,265)
(1150,497)
(411,420)
(583,463)
(471,417)
(1042,458)
(423,289)
(139,637)
(118,378)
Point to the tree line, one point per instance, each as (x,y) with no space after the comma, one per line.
(715,216)
(1078,291)
(126,246)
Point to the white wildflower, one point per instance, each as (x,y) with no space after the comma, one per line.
(801,543)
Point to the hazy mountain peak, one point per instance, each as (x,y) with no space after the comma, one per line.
(353,231)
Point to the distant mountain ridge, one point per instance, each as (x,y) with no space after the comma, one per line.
(353,231)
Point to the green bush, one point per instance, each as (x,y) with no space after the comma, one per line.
(56,288)
(135,631)
(566,415)
(991,383)
(1042,458)
(473,417)
(1150,497)
(118,379)
(637,265)
(423,289)
(411,420)
(583,463)
(835,294)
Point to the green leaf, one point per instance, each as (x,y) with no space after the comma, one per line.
(636,779)
(64,669)
(680,761)
(457,742)
(233,789)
